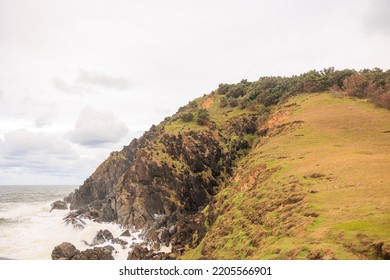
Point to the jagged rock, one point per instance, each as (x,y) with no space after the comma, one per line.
(59,205)
(163,235)
(161,180)
(64,251)
(102,236)
(97,253)
(69,198)
(126,233)
(74,219)
(120,241)
(141,253)
(156,246)
(138,252)
(101,182)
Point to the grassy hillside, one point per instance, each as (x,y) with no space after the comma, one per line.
(315,185)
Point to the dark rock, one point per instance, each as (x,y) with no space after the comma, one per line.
(162,181)
(74,219)
(97,253)
(102,237)
(138,252)
(163,235)
(126,233)
(120,241)
(59,205)
(69,198)
(64,251)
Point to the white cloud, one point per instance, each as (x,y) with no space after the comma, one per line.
(36,152)
(1,94)
(94,128)
(103,80)
(90,82)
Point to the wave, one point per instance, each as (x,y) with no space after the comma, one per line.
(31,231)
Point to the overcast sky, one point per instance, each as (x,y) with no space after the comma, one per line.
(79,79)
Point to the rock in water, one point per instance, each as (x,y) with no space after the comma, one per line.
(64,251)
(120,241)
(74,219)
(102,236)
(126,233)
(59,205)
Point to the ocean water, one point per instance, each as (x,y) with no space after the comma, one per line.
(28,230)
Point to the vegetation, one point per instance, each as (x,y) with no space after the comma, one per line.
(202,117)
(310,182)
(372,84)
(314,187)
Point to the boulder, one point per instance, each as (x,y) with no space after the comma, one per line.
(97,253)
(102,237)
(64,251)
(119,241)
(126,233)
(59,205)
(138,253)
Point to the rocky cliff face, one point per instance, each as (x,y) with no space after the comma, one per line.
(162,181)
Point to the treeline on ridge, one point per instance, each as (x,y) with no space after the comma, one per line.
(373,85)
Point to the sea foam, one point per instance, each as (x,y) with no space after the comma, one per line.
(28,230)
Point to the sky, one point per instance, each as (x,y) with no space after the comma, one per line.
(79,79)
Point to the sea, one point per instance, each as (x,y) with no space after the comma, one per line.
(29,231)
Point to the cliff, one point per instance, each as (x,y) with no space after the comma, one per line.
(251,172)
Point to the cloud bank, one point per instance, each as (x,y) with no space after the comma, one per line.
(35,151)
(95,128)
(90,82)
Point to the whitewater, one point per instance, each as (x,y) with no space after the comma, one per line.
(29,231)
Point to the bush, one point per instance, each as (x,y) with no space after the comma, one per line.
(223,89)
(236,91)
(379,95)
(355,85)
(187,117)
(223,102)
(233,102)
(202,117)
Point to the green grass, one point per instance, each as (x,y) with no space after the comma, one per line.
(273,194)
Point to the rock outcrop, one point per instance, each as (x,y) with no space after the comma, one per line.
(67,251)
(64,251)
(58,205)
(162,181)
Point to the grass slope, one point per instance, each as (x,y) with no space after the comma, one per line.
(316,186)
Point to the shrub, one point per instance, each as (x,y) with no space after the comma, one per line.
(223,102)
(355,85)
(236,91)
(233,102)
(379,95)
(202,117)
(223,89)
(187,117)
